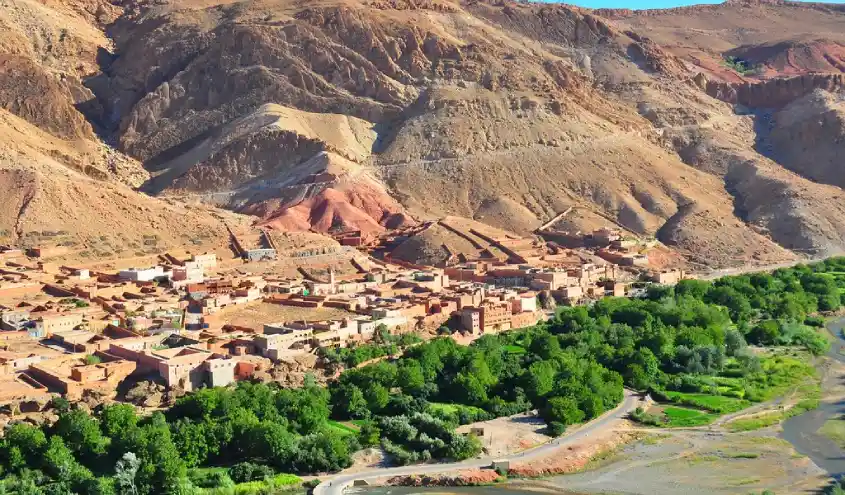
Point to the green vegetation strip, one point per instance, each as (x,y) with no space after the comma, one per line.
(712,403)
(682,417)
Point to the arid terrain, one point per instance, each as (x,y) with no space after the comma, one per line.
(714,129)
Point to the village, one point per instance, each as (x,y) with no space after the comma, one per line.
(209,319)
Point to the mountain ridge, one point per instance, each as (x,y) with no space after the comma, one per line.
(504,112)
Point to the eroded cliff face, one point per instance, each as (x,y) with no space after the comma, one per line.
(808,137)
(775,93)
(35,95)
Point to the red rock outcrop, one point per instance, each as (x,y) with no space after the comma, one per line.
(361,207)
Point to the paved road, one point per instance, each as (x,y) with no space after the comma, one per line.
(337,484)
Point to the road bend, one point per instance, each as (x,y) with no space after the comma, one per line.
(338,483)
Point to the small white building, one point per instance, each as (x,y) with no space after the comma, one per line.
(366,327)
(206,261)
(525,302)
(142,274)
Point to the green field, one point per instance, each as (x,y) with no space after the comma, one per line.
(683,417)
(713,403)
(451,408)
(341,428)
(515,349)
(755,422)
(834,429)
(279,483)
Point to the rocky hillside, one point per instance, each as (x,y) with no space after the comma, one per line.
(63,186)
(330,115)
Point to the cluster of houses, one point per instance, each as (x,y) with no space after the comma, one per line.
(610,244)
(73,330)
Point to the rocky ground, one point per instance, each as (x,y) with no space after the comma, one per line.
(510,434)
(698,462)
(261,313)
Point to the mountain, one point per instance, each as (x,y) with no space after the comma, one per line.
(374,114)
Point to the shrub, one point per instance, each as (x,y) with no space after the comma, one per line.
(814,321)
(640,416)
(92,359)
(60,404)
(244,472)
(211,479)
(556,428)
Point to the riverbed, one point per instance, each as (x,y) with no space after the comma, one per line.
(802,431)
(469,490)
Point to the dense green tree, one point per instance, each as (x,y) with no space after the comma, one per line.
(349,402)
(273,444)
(695,289)
(306,409)
(321,452)
(101,486)
(463,447)
(737,303)
(765,333)
(117,418)
(22,446)
(734,342)
(659,292)
(369,434)
(377,398)
(545,346)
(410,378)
(539,378)
(563,410)
(467,388)
(244,472)
(59,463)
(161,466)
(194,441)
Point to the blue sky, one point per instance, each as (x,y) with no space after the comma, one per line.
(637,4)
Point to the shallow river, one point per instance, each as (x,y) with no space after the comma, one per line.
(801,431)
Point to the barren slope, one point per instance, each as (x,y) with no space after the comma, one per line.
(332,115)
(47,203)
(473,109)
